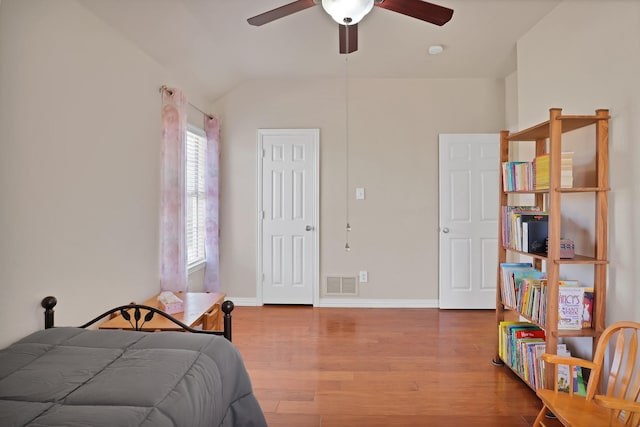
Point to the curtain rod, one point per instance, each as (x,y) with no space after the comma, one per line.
(163,88)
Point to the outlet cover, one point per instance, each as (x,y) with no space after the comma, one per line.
(363,277)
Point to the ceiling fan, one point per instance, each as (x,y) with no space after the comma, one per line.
(347,13)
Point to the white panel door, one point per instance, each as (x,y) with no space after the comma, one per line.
(289,211)
(469,173)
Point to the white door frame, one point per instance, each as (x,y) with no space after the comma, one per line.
(315,133)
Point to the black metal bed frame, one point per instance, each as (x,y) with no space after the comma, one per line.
(138,320)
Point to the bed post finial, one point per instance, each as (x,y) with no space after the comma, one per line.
(48,303)
(227,308)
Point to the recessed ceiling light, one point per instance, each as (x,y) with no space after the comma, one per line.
(435,49)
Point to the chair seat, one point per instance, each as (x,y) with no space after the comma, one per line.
(574,411)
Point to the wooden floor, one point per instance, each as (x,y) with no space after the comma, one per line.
(379,367)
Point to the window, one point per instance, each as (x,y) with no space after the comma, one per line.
(195,196)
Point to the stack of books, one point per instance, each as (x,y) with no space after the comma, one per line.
(541,171)
(524,289)
(517,176)
(520,345)
(566,170)
(512,276)
(525,228)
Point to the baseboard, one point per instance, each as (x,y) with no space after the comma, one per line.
(378,303)
(243,302)
(354,303)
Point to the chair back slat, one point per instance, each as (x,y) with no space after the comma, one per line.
(615,367)
(623,379)
(631,369)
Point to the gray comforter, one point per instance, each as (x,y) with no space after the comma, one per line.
(77,377)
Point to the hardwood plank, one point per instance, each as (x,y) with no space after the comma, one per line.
(379,367)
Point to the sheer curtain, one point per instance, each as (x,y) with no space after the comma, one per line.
(173,268)
(212,184)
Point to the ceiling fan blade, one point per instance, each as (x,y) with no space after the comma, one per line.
(429,12)
(281,12)
(348,38)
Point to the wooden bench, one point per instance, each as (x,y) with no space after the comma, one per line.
(618,375)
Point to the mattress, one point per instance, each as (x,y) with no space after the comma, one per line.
(73,377)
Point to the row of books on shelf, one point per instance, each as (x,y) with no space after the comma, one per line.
(520,346)
(525,228)
(535,175)
(524,289)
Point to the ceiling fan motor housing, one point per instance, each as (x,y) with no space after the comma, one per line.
(347,12)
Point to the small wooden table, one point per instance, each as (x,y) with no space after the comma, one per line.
(200,309)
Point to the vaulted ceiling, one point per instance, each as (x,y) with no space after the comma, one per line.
(211,43)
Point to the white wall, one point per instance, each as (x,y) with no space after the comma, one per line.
(393,128)
(79,166)
(580,57)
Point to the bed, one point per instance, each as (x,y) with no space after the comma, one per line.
(77,376)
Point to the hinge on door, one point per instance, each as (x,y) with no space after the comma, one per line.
(262,214)
(264,153)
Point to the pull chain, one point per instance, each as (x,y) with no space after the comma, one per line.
(346,84)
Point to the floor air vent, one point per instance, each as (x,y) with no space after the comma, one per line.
(341,286)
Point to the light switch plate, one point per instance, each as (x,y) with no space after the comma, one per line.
(363,277)
(360,193)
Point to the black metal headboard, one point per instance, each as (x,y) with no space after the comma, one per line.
(141,315)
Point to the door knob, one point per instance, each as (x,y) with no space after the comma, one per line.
(309,227)
(445,230)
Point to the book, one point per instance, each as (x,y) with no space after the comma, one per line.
(534,332)
(579,384)
(587,306)
(565,378)
(570,306)
(541,172)
(587,309)
(535,230)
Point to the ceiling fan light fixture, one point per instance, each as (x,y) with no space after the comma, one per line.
(347,12)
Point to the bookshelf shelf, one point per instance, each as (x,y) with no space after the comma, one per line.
(562,190)
(581,259)
(582,190)
(577,259)
(569,123)
(547,139)
(586,332)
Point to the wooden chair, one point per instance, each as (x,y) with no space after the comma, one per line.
(613,389)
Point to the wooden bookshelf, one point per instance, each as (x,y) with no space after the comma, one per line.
(547,137)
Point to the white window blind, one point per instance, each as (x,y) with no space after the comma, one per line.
(195,194)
